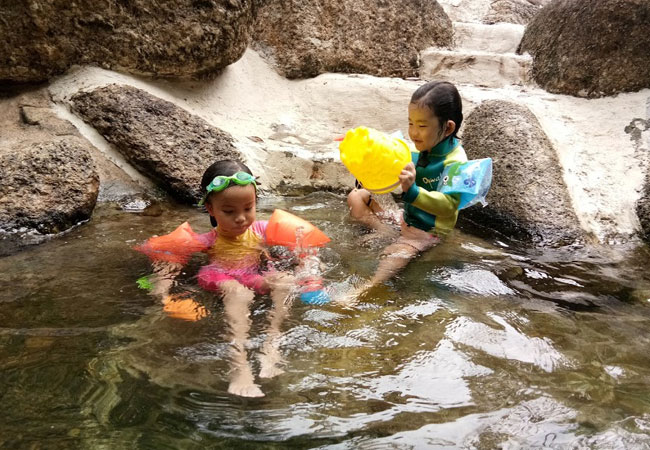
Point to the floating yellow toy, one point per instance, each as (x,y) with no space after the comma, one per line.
(374,158)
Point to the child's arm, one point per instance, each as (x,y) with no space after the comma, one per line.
(164,278)
(168,254)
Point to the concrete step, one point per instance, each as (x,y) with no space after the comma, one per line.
(497,38)
(479,68)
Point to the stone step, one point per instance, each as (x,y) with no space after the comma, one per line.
(479,68)
(497,38)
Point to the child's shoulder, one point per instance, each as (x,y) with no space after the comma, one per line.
(259,227)
(207,238)
(456,155)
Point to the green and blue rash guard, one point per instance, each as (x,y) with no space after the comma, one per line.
(424,207)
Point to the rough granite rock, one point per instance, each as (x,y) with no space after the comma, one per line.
(526,176)
(49,179)
(643,209)
(179,39)
(47,186)
(513,11)
(304,38)
(590,49)
(163,141)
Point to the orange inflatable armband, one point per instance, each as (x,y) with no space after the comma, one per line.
(374,158)
(288,230)
(175,247)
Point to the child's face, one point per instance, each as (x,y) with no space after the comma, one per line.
(233,208)
(424,127)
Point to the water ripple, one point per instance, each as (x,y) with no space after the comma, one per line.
(471,281)
(507,343)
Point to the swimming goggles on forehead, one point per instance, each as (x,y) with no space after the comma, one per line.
(222,182)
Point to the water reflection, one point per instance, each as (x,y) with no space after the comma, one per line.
(507,342)
(481,344)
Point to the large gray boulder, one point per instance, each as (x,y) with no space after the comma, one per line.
(528,199)
(49,179)
(46,186)
(304,38)
(161,140)
(590,48)
(180,39)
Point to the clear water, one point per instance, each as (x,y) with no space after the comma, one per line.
(480,344)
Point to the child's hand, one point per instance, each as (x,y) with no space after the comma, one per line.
(407,176)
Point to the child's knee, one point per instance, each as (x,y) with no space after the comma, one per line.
(358,198)
(234,289)
(399,250)
(279,279)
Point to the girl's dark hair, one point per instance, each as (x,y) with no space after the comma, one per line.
(443,99)
(225,167)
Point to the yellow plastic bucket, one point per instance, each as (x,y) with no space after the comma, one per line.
(374,158)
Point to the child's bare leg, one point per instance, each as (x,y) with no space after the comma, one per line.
(363,209)
(237,300)
(281,285)
(393,259)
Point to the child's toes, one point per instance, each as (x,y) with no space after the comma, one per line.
(270,371)
(245,390)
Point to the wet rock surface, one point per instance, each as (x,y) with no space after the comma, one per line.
(306,38)
(48,186)
(528,199)
(49,179)
(184,39)
(161,140)
(590,49)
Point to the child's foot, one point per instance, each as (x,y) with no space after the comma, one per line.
(350,297)
(241,383)
(245,389)
(270,371)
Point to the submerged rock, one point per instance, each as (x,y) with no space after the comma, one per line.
(590,49)
(161,140)
(528,199)
(307,38)
(180,39)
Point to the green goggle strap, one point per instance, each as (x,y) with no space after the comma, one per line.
(221,182)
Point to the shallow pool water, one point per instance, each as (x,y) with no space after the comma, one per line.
(482,343)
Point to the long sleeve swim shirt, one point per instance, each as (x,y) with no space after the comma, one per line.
(424,207)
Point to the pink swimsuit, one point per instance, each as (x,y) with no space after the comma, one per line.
(234,259)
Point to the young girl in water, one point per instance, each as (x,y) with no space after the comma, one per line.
(235,246)
(435,116)
(235,249)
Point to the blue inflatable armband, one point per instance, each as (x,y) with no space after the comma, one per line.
(471,180)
